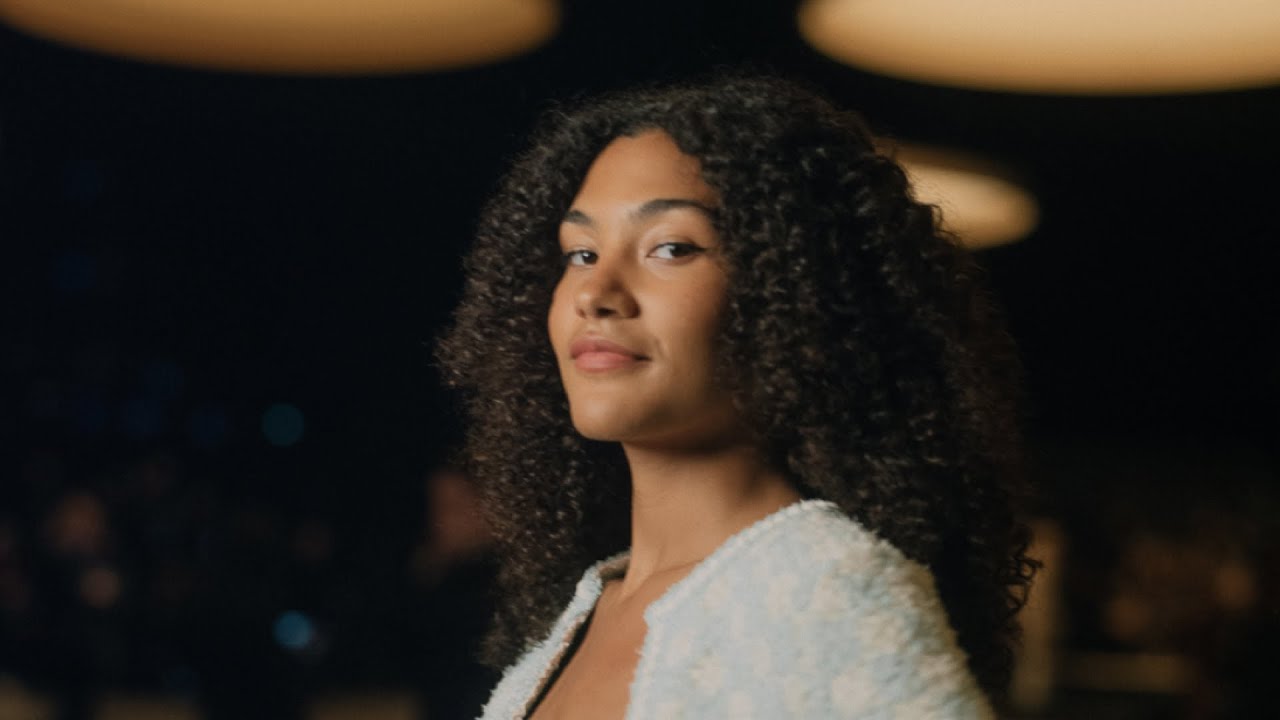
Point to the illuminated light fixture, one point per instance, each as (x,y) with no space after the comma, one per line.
(295,36)
(978,203)
(1058,46)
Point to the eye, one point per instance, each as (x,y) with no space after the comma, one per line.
(675,250)
(578,257)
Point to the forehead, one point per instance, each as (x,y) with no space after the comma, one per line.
(642,167)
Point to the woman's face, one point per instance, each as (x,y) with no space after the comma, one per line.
(635,316)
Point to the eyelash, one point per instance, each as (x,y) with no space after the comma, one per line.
(567,258)
(685,250)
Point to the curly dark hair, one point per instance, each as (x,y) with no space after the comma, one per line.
(866,356)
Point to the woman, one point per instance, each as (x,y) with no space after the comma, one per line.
(742,421)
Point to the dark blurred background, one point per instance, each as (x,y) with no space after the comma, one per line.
(224,454)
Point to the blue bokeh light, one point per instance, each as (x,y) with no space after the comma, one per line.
(283,425)
(294,631)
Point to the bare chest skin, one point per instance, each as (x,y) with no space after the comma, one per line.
(596,682)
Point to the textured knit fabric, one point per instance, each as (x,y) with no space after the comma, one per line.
(805,614)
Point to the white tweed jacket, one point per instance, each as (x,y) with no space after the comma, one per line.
(804,614)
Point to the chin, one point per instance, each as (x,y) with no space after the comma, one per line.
(604,429)
(618,418)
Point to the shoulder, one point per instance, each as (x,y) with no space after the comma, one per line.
(862,624)
(807,614)
(844,567)
(851,570)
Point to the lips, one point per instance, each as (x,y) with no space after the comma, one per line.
(594,353)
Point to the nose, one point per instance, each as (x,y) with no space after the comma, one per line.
(605,292)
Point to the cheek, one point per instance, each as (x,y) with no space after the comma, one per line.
(702,331)
(558,316)
(695,325)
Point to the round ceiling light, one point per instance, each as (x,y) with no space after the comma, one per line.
(295,36)
(978,203)
(1060,46)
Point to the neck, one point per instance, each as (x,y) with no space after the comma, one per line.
(686,503)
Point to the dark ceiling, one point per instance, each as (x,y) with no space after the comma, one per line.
(298,237)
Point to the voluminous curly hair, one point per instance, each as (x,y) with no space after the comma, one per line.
(866,356)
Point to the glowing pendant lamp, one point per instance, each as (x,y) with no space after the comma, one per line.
(294,36)
(1060,46)
(978,203)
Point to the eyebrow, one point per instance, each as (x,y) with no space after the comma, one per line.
(651,208)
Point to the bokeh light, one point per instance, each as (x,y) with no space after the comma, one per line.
(294,631)
(295,36)
(283,425)
(1081,46)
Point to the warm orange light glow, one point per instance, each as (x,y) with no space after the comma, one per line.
(979,205)
(320,36)
(1068,46)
